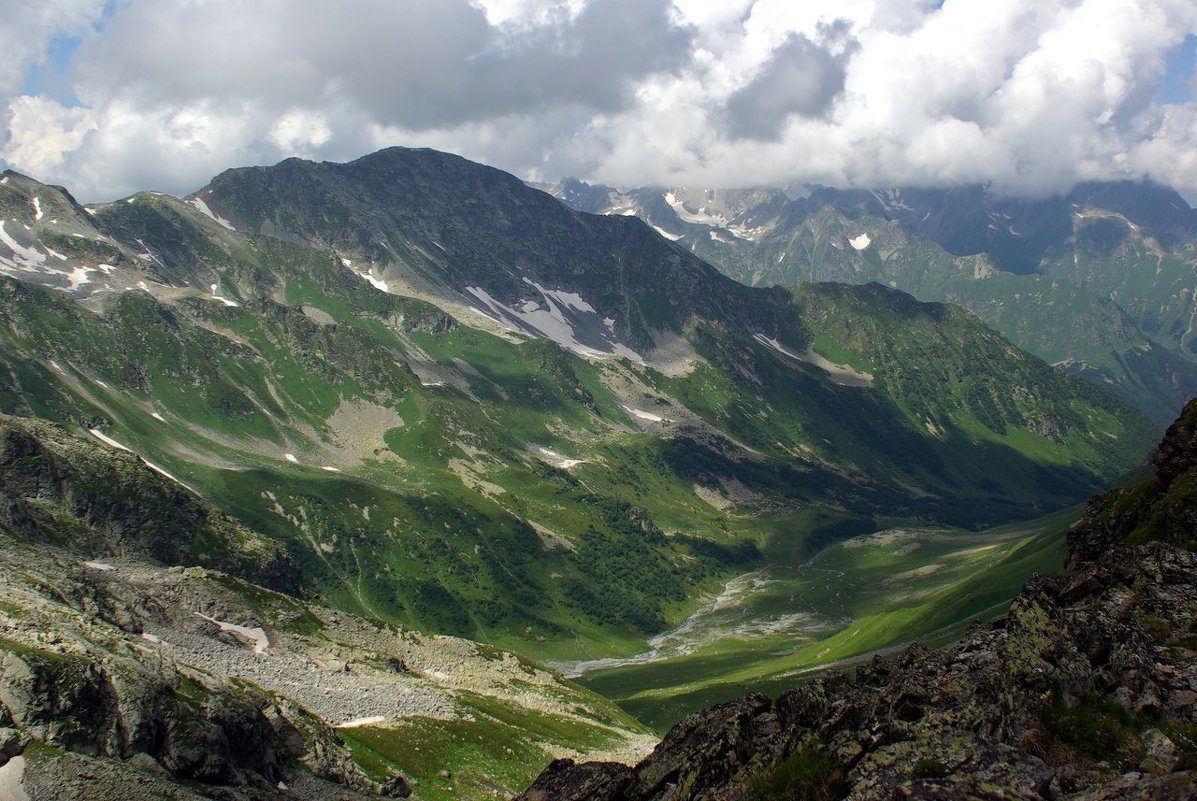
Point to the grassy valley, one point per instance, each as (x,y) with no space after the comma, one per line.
(788,622)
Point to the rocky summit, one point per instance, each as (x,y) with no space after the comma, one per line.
(1085,689)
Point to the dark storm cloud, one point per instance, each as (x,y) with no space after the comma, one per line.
(802,77)
(419,64)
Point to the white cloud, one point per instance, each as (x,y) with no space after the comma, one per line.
(299,131)
(1031,95)
(43,132)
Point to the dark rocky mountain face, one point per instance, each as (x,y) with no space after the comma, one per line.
(460,225)
(1086,689)
(55,488)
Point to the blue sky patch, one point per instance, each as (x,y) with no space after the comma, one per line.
(1178,77)
(51,77)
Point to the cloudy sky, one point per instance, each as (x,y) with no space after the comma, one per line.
(111,96)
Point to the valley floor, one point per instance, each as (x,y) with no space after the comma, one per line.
(770,627)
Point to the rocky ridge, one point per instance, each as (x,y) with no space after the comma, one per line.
(111,502)
(1086,689)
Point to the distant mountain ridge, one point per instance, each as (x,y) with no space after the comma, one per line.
(479,232)
(1098,281)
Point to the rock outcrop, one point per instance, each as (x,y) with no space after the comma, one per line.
(56,488)
(1085,689)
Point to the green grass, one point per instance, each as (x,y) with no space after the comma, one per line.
(858,602)
(493,750)
(807,775)
(453,522)
(1097,729)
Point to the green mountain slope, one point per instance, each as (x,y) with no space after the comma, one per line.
(869,594)
(461,407)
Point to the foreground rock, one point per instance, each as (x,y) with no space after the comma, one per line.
(1085,689)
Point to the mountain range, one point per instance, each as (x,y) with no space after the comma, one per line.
(325,413)
(1098,281)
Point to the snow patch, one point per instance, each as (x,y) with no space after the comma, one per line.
(559,460)
(718,237)
(165,474)
(107,440)
(207,212)
(891,200)
(375,282)
(555,317)
(701,217)
(149,254)
(37,208)
(256,635)
(842,374)
(330,468)
(101,566)
(370,721)
(31,257)
(157,416)
(860,242)
(750,234)
(290,457)
(571,300)
(664,233)
(78,276)
(643,415)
